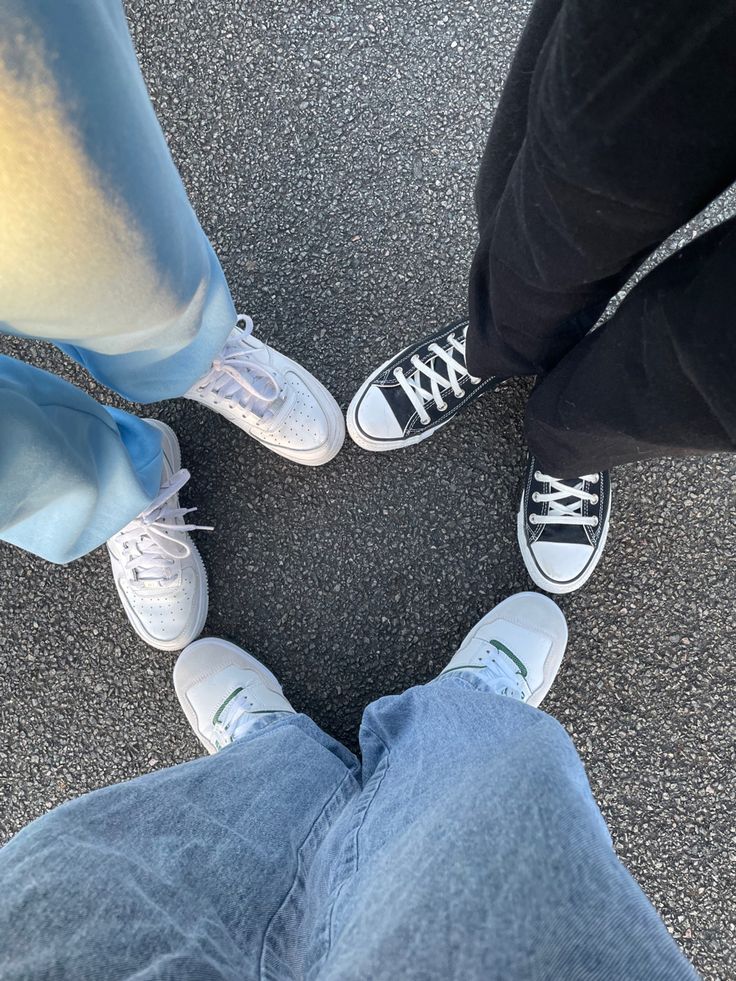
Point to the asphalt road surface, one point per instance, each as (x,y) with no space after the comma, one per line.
(330,152)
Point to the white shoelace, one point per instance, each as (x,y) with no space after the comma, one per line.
(412,384)
(234,375)
(149,539)
(559,513)
(497,674)
(233,719)
(503,680)
(236,719)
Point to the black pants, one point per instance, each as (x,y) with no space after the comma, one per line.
(617,124)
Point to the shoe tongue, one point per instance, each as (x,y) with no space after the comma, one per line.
(435,363)
(522,648)
(396,398)
(211,697)
(258,401)
(262,409)
(249,358)
(564,534)
(154,570)
(569,534)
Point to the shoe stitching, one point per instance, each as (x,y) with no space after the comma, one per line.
(266,948)
(354,855)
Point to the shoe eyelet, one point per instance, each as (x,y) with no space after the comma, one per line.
(535,497)
(595,523)
(595,499)
(460,394)
(532,519)
(538,475)
(596,479)
(444,407)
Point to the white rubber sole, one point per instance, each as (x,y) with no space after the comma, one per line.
(536,574)
(550,621)
(192,653)
(172,451)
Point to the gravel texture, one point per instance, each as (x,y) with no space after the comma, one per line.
(330,151)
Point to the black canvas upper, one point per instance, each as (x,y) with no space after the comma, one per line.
(402,408)
(565,533)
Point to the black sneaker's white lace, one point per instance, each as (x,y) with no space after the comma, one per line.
(441,358)
(564,500)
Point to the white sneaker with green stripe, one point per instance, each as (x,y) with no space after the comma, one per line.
(224,691)
(517,648)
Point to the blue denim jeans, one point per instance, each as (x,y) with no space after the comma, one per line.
(466,846)
(100,253)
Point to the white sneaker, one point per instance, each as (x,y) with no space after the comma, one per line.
(272,398)
(159,574)
(517,647)
(223,691)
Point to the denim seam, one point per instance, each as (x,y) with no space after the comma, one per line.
(352,858)
(267,948)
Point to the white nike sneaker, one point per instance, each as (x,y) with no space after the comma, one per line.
(159,574)
(272,398)
(224,690)
(517,647)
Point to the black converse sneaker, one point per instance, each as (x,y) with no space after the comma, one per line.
(562,527)
(415,392)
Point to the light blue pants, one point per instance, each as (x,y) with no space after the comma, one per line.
(100,253)
(467,846)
